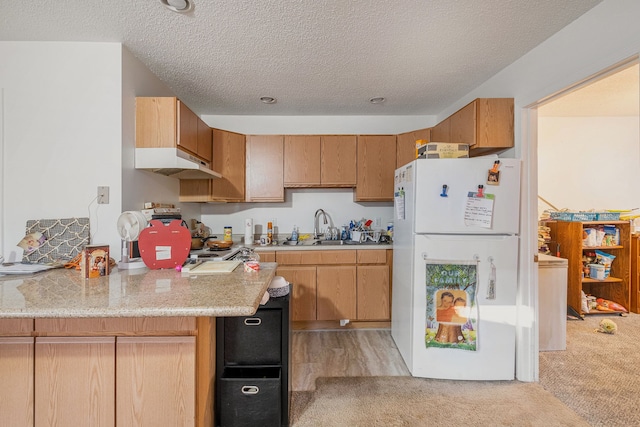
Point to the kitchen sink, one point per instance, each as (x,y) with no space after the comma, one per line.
(346,243)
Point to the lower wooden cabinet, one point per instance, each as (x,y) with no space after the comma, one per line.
(155,379)
(336,285)
(75,381)
(107,372)
(336,295)
(16,377)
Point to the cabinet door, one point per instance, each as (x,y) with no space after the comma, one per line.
(187,129)
(406,145)
(336,292)
(75,381)
(373,293)
(156,122)
(494,123)
(376,167)
(303,291)
(155,380)
(229,156)
(16,377)
(204,140)
(463,125)
(302,161)
(442,131)
(338,160)
(265,174)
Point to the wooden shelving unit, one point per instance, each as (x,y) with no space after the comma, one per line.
(569,236)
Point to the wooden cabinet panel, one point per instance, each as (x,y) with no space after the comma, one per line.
(376,167)
(75,381)
(228,158)
(338,160)
(16,327)
(156,122)
(155,380)
(442,131)
(372,256)
(406,145)
(373,293)
(303,291)
(187,129)
(302,166)
(635,274)
(16,377)
(336,295)
(264,168)
(117,326)
(204,140)
(267,256)
(316,257)
(463,125)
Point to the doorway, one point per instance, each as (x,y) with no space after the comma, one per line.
(584,147)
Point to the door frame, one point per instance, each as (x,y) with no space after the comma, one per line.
(527,335)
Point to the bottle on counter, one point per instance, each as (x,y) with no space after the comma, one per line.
(228,234)
(269,233)
(294,234)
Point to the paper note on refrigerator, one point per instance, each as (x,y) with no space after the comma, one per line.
(399,202)
(479,210)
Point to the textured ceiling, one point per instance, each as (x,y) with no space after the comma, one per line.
(317,57)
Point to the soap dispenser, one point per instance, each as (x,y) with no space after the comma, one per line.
(294,234)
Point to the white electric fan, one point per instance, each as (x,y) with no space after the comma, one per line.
(130,224)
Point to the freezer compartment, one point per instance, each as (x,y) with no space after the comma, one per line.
(496,260)
(450,210)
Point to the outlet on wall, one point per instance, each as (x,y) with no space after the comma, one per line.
(377,223)
(103,195)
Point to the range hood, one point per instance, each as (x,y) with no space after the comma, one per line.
(173,162)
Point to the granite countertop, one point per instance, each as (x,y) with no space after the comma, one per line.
(63,293)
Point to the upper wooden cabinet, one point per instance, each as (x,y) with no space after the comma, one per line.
(320,161)
(229,156)
(264,168)
(406,145)
(165,122)
(302,161)
(338,160)
(486,124)
(376,167)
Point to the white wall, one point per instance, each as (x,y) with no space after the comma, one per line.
(298,209)
(589,162)
(61,136)
(68,126)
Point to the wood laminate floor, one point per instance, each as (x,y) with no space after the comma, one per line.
(348,353)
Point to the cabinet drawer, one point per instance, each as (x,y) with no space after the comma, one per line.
(372,257)
(316,257)
(117,326)
(16,327)
(253,340)
(250,396)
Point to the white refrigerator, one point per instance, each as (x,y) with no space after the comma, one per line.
(455,267)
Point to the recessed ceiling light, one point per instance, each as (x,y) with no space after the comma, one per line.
(180,6)
(268,99)
(377,100)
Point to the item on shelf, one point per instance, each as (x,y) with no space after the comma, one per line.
(596,271)
(606,260)
(611,305)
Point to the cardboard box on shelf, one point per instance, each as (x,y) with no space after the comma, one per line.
(446,150)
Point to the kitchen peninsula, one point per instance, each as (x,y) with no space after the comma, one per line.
(132,348)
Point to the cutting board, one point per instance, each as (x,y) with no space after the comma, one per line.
(213,267)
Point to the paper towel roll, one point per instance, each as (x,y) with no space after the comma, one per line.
(248,231)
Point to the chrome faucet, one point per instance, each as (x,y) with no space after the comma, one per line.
(319,212)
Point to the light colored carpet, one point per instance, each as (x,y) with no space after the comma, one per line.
(598,375)
(408,401)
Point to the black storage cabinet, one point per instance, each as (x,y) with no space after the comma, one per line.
(253,373)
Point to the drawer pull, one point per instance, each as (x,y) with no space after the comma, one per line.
(250,389)
(252,321)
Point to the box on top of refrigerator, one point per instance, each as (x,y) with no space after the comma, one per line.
(446,150)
